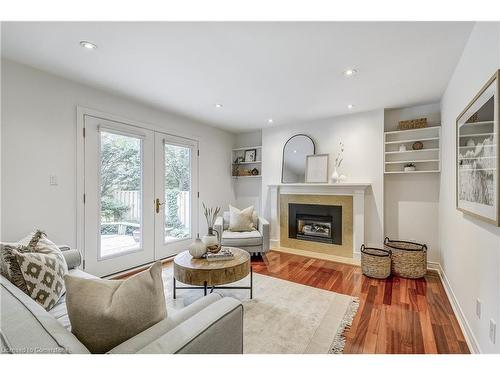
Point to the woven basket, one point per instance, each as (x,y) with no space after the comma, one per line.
(375,262)
(409,259)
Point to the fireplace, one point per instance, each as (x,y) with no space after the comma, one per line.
(315,222)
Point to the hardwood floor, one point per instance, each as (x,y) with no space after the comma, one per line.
(395,315)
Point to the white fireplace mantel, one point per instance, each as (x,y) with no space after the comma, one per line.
(356,189)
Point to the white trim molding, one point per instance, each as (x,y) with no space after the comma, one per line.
(462,320)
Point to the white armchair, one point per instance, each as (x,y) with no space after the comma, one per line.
(255,242)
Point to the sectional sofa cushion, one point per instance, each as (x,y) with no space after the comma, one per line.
(105,313)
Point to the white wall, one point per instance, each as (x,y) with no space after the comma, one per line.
(470,248)
(362,134)
(248,190)
(412,200)
(39,139)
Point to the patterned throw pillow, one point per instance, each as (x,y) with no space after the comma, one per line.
(9,266)
(37,267)
(43,275)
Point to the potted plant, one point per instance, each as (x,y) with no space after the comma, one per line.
(410,167)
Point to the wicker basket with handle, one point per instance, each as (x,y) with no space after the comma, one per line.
(375,262)
(409,259)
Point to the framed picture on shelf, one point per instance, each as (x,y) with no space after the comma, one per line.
(477,157)
(317,168)
(250,155)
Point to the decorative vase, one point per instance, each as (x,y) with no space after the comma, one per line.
(402,148)
(335,176)
(197,248)
(211,240)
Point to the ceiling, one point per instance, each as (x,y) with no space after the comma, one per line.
(291,72)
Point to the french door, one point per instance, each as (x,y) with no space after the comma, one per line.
(140,195)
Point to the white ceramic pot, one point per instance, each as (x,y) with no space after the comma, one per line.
(197,248)
(410,169)
(402,148)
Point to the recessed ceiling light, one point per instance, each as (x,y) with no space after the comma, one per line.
(270,121)
(88,45)
(350,72)
(350,106)
(218,105)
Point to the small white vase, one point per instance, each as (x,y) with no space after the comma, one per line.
(335,176)
(197,248)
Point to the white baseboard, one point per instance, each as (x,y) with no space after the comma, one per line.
(462,320)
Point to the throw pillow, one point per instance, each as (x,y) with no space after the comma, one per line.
(43,275)
(240,220)
(9,268)
(105,313)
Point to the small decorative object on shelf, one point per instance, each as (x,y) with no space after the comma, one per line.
(410,167)
(402,148)
(250,155)
(197,248)
(413,124)
(470,143)
(255,172)
(223,254)
(338,161)
(239,159)
(417,145)
(211,240)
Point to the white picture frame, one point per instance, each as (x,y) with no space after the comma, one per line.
(317,168)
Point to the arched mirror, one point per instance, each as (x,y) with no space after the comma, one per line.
(296,149)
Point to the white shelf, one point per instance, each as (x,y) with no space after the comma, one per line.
(411,172)
(407,151)
(248,162)
(258,176)
(413,130)
(412,140)
(411,161)
(469,147)
(246,148)
(476,135)
(478,123)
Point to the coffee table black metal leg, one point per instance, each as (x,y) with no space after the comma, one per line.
(205,288)
(174,288)
(251,282)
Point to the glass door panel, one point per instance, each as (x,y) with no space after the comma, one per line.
(178,203)
(176,192)
(121,194)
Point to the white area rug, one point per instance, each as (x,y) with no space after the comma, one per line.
(283,317)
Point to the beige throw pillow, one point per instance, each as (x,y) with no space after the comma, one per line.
(105,313)
(241,220)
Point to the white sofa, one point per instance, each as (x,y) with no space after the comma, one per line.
(255,242)
(212,324)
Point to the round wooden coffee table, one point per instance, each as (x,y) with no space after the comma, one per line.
(202,273)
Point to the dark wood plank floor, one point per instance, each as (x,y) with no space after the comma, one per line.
(395,315)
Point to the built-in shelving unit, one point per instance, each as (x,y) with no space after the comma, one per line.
(242,169)
(398,150)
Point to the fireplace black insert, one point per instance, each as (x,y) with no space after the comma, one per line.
(315,222)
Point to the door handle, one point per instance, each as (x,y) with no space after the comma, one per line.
(158,205)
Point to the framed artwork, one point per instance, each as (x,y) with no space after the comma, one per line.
(250,155)
(477,155)
(317,168)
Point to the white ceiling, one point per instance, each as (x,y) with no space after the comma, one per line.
(291,72)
